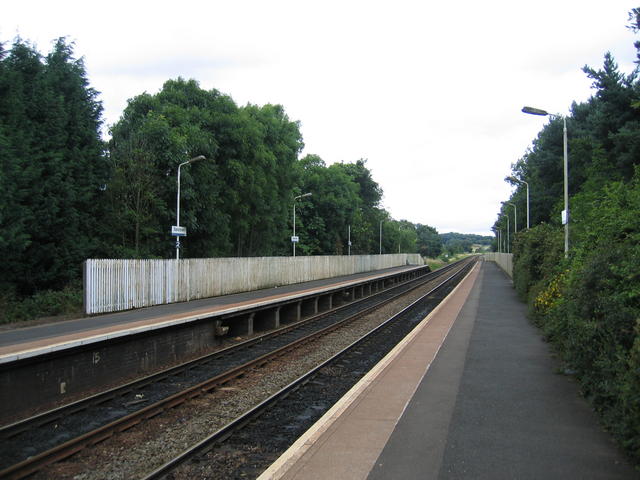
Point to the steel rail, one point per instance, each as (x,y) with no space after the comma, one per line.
(55,454)
(223,433)
(44,418)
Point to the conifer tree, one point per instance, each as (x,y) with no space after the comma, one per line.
(53,166)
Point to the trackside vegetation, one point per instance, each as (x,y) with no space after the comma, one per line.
(588,305)
(67,194)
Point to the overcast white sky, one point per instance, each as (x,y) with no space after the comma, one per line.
(429,92)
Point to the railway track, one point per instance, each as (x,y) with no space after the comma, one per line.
(259,432)
(66,430)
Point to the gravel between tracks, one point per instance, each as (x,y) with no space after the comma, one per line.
(133,453)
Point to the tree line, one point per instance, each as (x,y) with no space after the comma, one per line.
(454,243)
(67,195)
(588,305)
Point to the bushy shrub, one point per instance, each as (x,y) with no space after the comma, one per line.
(589,307)
(596,330)
(537,257)
(42,304)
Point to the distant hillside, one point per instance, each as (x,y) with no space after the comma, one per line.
(470,237)
(463,242)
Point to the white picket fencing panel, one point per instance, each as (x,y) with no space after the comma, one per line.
(112,285)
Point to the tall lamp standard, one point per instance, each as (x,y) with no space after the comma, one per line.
(514,179)
(508,228)
(565,214)
(181,232)
(380,237)
(294,239)
(515,216)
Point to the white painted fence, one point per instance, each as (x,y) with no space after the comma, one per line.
(504,261)
(113,285)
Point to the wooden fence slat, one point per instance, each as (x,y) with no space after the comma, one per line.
(111,285)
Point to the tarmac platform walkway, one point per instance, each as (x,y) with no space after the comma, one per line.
(471,393)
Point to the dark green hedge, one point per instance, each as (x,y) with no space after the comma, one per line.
(589,305)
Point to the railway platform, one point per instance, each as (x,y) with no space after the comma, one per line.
(472,393)
(48,365)
(42,339)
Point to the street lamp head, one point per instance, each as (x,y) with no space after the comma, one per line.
(302,196)
(191,160)
(535,111)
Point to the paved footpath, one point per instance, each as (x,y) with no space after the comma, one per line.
(472,395)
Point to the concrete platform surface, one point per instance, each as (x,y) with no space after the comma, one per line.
(472,393)
(31,341)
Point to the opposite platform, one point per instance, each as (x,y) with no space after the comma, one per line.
(31,341)
(489,405)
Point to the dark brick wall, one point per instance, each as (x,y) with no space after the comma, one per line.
(49,379)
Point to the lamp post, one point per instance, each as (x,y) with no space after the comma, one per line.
(349,239)
(179,234)
(527,184)
(294,239)
(508,228)
(565,214)
(504,243)
(380,237)
(515,216)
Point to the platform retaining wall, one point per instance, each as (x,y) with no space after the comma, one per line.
(41,381)
(114,285)
(504,261)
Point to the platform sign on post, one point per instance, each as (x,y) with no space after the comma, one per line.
(295,239)
(564,217)
(177,231)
